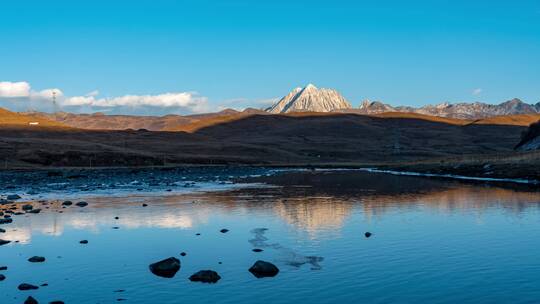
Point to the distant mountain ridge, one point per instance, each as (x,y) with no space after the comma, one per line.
(476,110)
(310,99)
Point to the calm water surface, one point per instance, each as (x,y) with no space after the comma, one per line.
(433,241)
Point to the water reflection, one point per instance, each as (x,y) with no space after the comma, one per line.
(307,201)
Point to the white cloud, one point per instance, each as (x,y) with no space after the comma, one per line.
(14,89)
(21,94)
(477,92)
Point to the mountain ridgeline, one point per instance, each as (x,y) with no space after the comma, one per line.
(312,99)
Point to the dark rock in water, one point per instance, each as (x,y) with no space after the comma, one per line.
(35,211)
(205,276)
(84,242)
(144,205)
(13,197)
(115,227)
(257,250)
(367,234)
(3,267)
(82,204)
(36,259)
(197,234)
(166,268)
(27,207)
(116,217)
(2,230)
(30,300)
(224,230)
(4,242)
(18,213)
(5,220)
(44,284)
(2,277)
(25,286)
(67,203)
(56,302)
(183,254)
(262,269)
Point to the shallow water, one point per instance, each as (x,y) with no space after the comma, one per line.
(434,241)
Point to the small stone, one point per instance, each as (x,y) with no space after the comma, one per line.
(262,269)
(30,300)
(367,234)
(36,259)
(25,286)
(166,268)
(257,250)
(82,204)
(205,276)
(224,230)
(4,242)
(84,242)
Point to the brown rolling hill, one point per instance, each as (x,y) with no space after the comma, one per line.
(247,138)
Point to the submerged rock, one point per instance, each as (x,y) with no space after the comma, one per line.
(367,234)
(224,230)
(257,250)
(13,197)
(36,259)
(262,269)
(205,276)
(4,242)
(183,254)
(3,267)
(82,204)
(84,242)
(2,277)
(26,286)
(30,300)
(56,302)
(166,268)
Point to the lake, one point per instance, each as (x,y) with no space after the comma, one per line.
(433,240)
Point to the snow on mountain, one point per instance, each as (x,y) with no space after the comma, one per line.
(310,99)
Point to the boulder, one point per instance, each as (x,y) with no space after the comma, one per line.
(205,276)
(25,286)
(36,259)
(5,220)
(67,203)
(82,204)
(30,300)
(166,268)
(13,197)
(4,242)
(27,207)
(262,269)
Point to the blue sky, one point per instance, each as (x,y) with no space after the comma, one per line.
(241,53)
